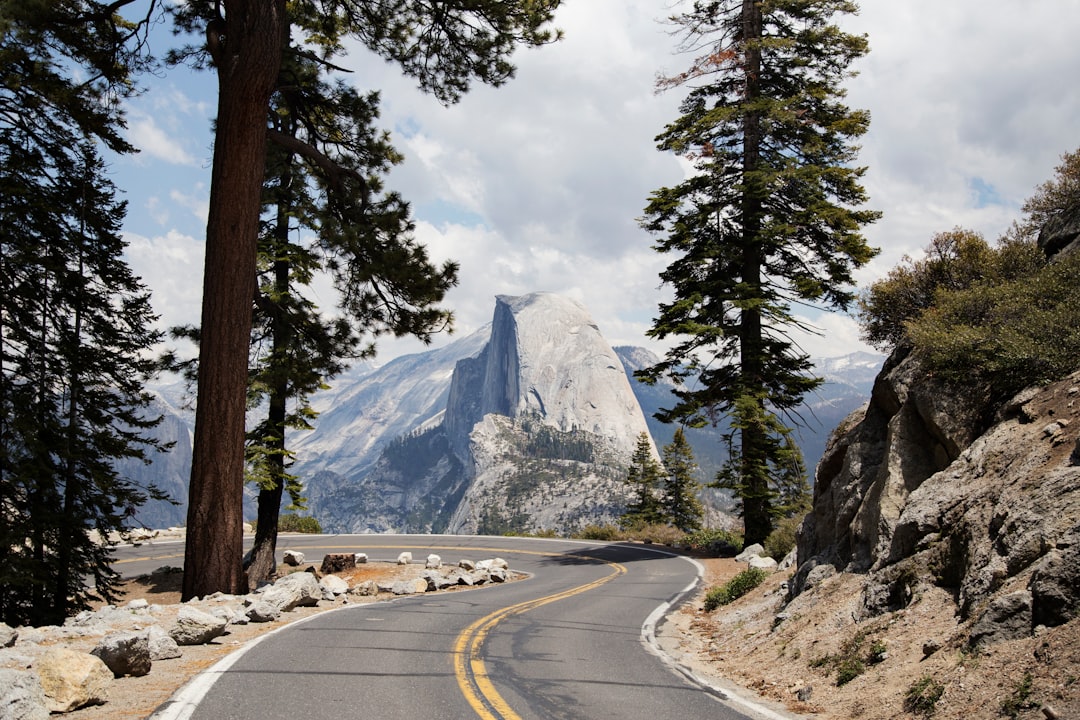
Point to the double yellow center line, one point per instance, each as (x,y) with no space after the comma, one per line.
(469,668)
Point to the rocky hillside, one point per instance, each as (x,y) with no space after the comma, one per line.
(939,570)
(929,486)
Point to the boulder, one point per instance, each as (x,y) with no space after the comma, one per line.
(338,562)
(752,551)
(1007,618)
(361,558)
(195,627)
(404,558)
(763,562)
(1060,236)
(365,588)
(125,653)
(466,564)
(261,611)
(434,562)
(333,586)
(161,644)
(409,587)
(1055,584)
(21,696)
(437,581)
(71,680)
(295,558)
(299,589)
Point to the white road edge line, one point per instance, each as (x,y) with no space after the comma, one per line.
(648,639)
(184,701)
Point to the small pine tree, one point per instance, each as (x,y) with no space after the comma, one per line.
(681,505)
(644,476)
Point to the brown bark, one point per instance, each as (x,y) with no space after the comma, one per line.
(248,59)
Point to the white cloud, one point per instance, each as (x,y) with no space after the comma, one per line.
(171,265)
(145,134)
(537,185)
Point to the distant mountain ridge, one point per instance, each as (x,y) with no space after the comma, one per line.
(525,424)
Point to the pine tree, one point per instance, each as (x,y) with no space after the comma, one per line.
(681,506)
(74,322)
(445,47)
(644,478)
(76,335)
(767,219)
(361,237)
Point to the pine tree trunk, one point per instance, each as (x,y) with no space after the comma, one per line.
(753,433)
(263,562)
(247,61)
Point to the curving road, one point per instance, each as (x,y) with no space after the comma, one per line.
(569,642)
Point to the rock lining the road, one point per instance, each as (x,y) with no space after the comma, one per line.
(114,642)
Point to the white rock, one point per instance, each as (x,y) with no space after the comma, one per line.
(404,558)
(293,558)
(763,561)
(21,696)
(299,589)
(194,627)
(161,644)
(333,585)
(434,562)
(752,551)
(361,558)
(125,653)
(409,587)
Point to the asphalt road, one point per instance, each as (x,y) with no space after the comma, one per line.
(569,642)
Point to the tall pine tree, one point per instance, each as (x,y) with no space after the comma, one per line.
(325,213)
(445,47)
(768,219)
(74,322)
(645,480)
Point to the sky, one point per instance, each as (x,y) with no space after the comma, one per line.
(538,185)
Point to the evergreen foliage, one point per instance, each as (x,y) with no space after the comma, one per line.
(644,477)
(252,45)
(75,324)
(681,506)
(995,318)
(767,219)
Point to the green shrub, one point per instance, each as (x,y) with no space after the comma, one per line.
(661,534)
(721,543)
(848,669)
(781,540)
(1020,698)
(923,695)
(290,522)
(734,588)
(1005,336)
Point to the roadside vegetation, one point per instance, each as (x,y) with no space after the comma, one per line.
(993,317)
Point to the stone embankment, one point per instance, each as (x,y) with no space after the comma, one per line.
(59,669)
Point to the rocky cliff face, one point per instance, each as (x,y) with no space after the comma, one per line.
(924,486)
(526,433)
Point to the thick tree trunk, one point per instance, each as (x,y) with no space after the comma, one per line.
(248,59)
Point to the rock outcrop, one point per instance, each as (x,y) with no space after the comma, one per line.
(924,486)
(534,431)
